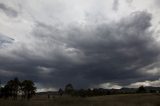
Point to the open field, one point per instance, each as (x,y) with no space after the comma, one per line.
(109,100)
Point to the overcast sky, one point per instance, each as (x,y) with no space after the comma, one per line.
(89,43)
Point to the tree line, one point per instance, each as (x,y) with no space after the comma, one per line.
(69,90)
(14,88)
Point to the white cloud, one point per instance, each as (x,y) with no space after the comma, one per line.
(155,83)
(109,86)
(46,89)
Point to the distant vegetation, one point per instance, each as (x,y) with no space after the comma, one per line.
(26,89)
(17,93)
(69,90)
(15,87)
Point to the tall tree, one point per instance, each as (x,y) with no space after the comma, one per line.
(69,89)
(6,91)
(28,88)
(141,89)
(60,92)
(13,86)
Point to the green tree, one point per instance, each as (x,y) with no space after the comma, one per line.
(60,92)
(141,89)
(69,89)
(13,86)
(28,89)
(5,91)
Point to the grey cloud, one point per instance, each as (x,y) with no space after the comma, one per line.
(125,46)
(115,5)
(112,52)
(129,1)
(156,3)
(8,10)
(4,40)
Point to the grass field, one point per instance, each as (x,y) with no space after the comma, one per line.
(109,100)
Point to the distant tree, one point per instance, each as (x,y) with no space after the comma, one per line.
(16,87)
(69,89)
(141,89)
(0,90)
(12,87)
(60,92)
(153,91)
(5,91)
(82,93)
(89,92)
(48,96)
(28,89)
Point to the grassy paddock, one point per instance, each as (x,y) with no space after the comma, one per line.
(109,100)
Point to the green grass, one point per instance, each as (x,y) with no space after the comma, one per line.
(109,100)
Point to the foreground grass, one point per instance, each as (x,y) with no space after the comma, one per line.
(109,100)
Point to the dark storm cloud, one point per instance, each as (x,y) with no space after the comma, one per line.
(116,51)
(8,10)
(113,52)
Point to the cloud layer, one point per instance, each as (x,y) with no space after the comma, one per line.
(8,11)
(89,50)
